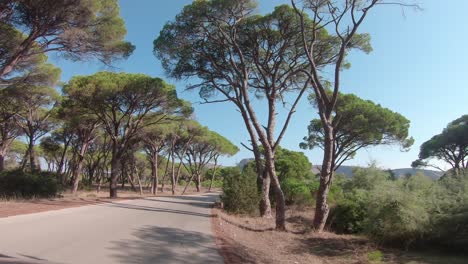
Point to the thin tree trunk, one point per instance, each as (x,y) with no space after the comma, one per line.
(154,175)
(197,182)
(165,172)
(321,207)
(177,176)
(114,174)
(61,163)
(265,204)
(78,167)
(139,181)
(2,161)
(173,173)
(279,195)
(32,155)
(214,173)
(188,183)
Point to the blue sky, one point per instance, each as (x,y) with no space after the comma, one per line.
(419,68)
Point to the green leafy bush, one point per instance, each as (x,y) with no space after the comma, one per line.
(350,214)
(216,183)
(375,256)
(19,184)
(240,194)
(297,192)
(410,211)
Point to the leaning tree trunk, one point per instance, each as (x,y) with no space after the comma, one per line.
(179,167)
(321,207)
(263,180)
(78,168)
(188,183)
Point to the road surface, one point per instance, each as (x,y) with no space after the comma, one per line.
(151,230)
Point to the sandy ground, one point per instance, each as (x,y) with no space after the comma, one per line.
(253,240)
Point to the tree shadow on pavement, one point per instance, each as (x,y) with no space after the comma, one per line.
(153,244)
(152,209)
(193,203)
(25,259)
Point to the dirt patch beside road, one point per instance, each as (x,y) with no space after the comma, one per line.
(253,240)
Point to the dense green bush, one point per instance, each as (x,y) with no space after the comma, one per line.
(240,194)
(216,183)
(19,184)
(350,213)
(297,192)
(408,211)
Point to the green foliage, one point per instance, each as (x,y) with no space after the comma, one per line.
(450,146)
(19,184)
(240,194)
(292,164)
(216,183)
(407,211)
(77,29)
(359,124)
(375,256)
(297,192)
(349,214)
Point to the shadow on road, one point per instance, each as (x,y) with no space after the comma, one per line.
(152,209)
(154,244)
(4,259)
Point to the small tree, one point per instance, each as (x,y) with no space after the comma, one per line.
(358,124)
(450,146)
(35,103)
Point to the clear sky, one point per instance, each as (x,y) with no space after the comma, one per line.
(419,68)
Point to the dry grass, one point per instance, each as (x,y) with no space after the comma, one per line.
(254,240)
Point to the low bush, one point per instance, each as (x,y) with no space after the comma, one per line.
(240,194)
(216,183)
(410,211)
(297,192)
(350,214)
(19,184)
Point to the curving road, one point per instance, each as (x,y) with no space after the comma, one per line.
(152,230)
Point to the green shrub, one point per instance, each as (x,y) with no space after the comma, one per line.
(216,183)
(18,184)
(375,256)
(396,215)
(297,192)
(240,194)
(350,214)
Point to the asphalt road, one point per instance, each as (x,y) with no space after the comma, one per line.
(152,230)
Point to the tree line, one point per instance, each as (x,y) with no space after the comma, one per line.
(98,125)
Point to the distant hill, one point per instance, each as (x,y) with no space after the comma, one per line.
(435,175)
(244,162)
(348,171)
